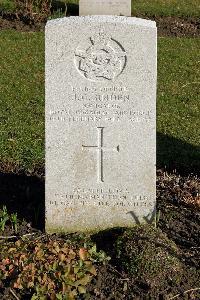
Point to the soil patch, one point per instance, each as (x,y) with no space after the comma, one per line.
(176,26)
(167,26)
(178,210)
(19,23)
(179,220)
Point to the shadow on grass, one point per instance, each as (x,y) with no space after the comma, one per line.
(106,239)
(26,194)
(174,154)
(70,9)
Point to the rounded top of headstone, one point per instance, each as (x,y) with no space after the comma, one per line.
(105,19)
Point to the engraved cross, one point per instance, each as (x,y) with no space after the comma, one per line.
(100,150)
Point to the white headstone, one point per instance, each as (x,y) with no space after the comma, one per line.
(100,122)
(105,7)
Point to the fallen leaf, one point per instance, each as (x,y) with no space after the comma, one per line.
(83,253)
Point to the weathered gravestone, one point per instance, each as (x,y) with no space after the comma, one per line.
(100,122)
(105,7)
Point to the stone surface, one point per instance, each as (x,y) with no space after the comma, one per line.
(100,122)
(105,7)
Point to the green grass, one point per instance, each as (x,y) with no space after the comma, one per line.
(22,100)
(7,5)
(162,7)
(148,7)
(178,88)
(178,102)
(166,7)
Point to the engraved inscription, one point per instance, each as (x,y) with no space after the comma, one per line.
(99,197)
(103,59)
(88,115)
(116,204)
(106,104)
(100,149)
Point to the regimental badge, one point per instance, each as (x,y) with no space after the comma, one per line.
(102,59)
